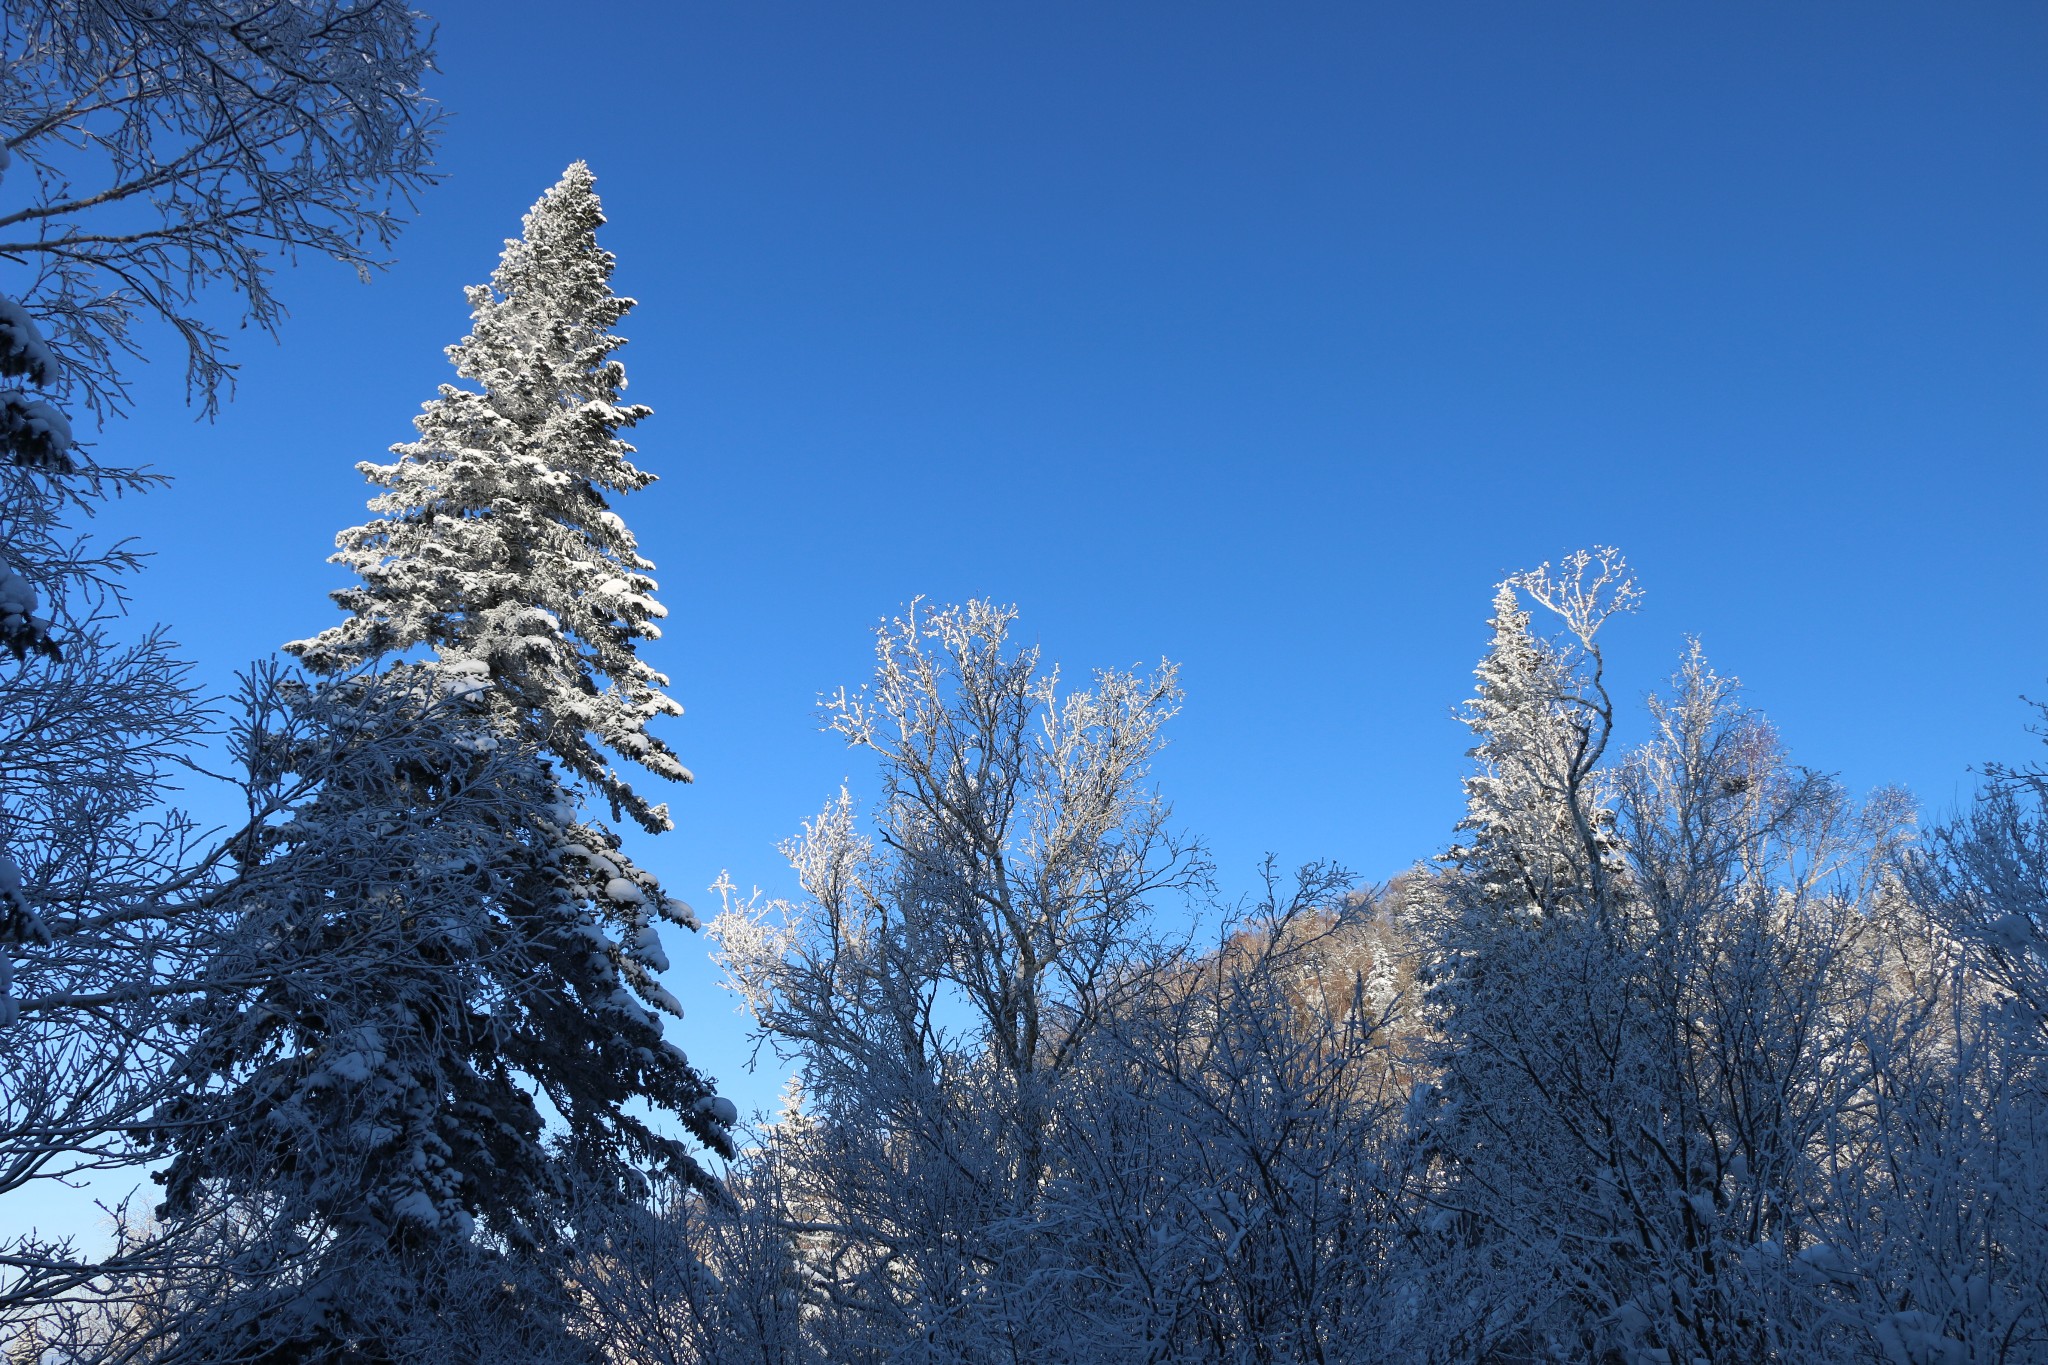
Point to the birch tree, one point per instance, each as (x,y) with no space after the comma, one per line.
(950,959)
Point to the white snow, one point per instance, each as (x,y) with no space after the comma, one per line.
(23,351)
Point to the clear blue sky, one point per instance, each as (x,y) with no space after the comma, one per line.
(1262,337)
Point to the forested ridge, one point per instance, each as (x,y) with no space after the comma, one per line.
(1677,1051)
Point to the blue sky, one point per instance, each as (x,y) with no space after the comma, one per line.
(1263,338)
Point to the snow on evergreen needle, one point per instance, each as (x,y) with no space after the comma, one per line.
(495,544)
(439,947)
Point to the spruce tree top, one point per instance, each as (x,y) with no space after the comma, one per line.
(1537,834)
(494,544)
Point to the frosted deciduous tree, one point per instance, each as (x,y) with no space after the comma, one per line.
(154,152)
(92,955)
(156,157)
(147,154)
(1951,1238)
(1986,875)
(1232,1179)
(950,960)
(689,1279)
(1710,1064)
(1650,1080)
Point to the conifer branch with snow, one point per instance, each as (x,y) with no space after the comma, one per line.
(496,546)
(442,1013)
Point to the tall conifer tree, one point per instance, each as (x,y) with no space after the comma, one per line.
(495,544)
(1515,817)
(442,957)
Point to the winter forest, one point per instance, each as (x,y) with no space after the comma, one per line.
(1672,1049)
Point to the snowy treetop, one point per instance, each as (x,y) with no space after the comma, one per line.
(494,542)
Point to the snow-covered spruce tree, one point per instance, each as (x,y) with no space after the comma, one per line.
(456,1014)
(1229,1163)
(496,550)
(495,545)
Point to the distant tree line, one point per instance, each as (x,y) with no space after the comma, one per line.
(1676,1054)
